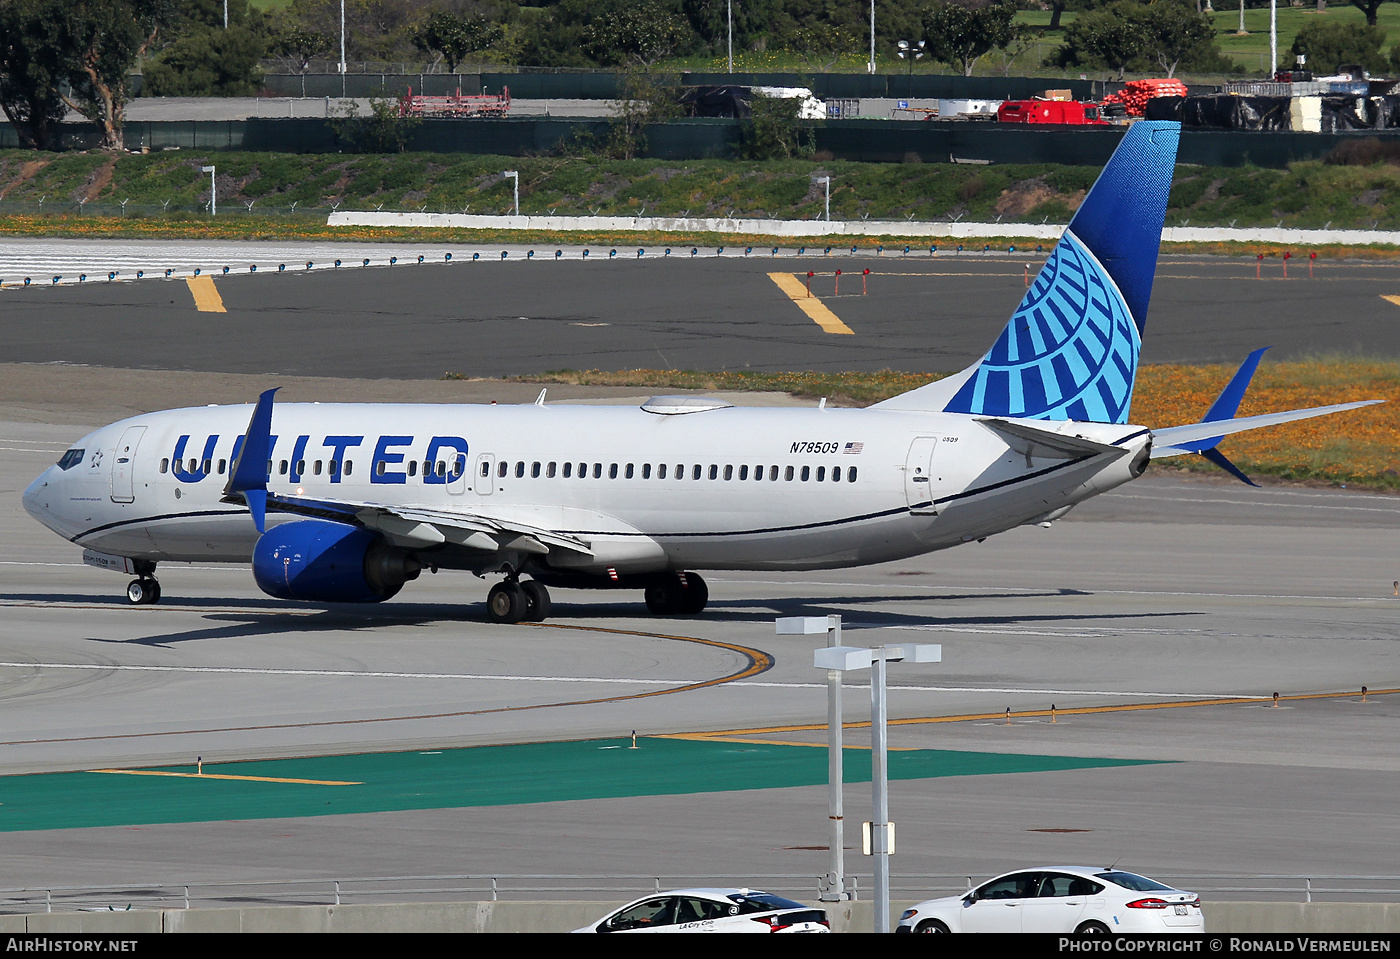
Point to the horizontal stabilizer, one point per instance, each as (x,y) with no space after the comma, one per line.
(1176,440)
(1034,441)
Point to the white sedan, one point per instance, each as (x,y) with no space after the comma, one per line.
(712,910)
(1062,899)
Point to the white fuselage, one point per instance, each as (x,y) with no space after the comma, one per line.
(721,488)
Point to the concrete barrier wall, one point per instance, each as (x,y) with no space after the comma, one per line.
(1221,917)
(797,229)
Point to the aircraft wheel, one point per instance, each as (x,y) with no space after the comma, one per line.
(695,595)
(684,594)
(142,592)
(506,603)
(536,601)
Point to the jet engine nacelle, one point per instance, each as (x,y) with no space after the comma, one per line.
(327,562)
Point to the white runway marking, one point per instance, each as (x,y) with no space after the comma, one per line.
(373,674)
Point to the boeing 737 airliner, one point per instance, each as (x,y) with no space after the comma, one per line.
(347,503)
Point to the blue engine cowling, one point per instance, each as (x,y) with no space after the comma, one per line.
(327,562)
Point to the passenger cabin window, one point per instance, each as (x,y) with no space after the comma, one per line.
(520,470)
(501,469)
(549,470)
(349,467)
(316,468)
(164,464)
(72,458)
(695,473)
(412,467)
(821,474)
(787,474)
(612,471)
(568,470)
(223,464)
(535,470)
(282,468)
(646,471)
(806,473)
(661,471)
(629,470)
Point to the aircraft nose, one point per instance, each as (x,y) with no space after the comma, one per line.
(35,497)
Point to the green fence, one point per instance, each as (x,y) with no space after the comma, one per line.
(876,141)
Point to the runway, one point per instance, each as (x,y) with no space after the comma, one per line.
(1124,616)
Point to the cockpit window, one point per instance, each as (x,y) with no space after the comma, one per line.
(71,459)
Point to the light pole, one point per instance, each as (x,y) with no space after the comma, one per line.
(872,36)
(515,175)
(342,48)
(212,199)
(834,884)
(825,180)
(729,16)
(879,832)
(911,52)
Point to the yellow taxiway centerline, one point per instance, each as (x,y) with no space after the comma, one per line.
(251,779)
(797,292)
(206,295)
(1390,298)
(739,735)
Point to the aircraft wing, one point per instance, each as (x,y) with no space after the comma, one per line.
(418,527)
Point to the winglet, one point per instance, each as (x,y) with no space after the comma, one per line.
(248,478)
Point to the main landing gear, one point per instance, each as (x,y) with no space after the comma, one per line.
(512,601)
(144,590)
(678,593)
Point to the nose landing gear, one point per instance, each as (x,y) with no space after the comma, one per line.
(512,601)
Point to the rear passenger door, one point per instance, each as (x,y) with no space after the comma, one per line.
(1058,905)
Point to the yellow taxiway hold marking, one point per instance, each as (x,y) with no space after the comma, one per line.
(797,292)
(1391,298)
(251,779)
(206,296)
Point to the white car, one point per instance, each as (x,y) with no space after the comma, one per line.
(712,910)
(1062,899)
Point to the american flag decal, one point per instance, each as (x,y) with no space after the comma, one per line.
(854,447)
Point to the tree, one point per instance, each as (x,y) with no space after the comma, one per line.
(301,46)
(1176,31)
(638,31)
(452,37)
(1329,44)
(31,69)
(961,34)
(101,40)
(205,59)
(384,130)
(1368,7)
(774,131)
(646,98)
(1112,37)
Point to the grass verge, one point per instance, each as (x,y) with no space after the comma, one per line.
(1355,448)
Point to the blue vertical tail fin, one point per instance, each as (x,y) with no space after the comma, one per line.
(1070,351)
